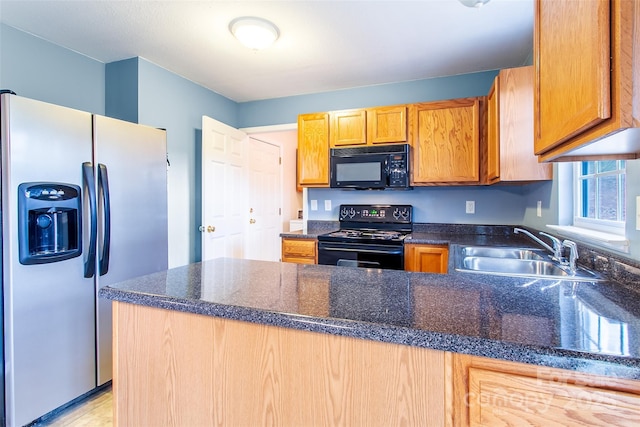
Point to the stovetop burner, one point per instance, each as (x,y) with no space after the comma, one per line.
(368,234)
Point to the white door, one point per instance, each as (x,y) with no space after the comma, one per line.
(264,201)
(224,187)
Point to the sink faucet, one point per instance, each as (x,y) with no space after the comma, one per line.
(557,244)
(573,254)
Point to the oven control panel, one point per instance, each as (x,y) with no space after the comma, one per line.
(376,213)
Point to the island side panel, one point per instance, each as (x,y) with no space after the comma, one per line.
(174,368)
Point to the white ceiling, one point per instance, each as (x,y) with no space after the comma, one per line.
(323,45)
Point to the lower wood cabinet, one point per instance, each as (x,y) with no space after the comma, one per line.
(490,392)
(426,258)
(301,251)
(252,374)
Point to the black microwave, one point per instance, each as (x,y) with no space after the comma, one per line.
(371,167)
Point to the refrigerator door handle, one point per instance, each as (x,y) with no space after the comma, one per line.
(89,184)
(103,188)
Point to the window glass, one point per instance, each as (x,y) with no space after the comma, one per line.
(600,194)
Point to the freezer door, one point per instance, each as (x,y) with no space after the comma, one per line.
(49,309)
(132,160)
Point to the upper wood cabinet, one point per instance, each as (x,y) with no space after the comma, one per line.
(587,79)
(313,150)
(509,149)
(387,124)
(380,125)
(348,127)
(446,139)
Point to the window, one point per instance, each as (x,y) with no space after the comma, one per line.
(600,196)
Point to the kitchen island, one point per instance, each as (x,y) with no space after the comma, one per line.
(240,342)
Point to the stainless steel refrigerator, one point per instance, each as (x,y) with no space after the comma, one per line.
(84,205)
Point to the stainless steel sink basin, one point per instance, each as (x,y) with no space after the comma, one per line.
(517,262)
(503,252)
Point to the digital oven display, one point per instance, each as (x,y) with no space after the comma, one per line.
(373,213)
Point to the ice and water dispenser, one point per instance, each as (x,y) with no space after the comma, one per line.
(50,222)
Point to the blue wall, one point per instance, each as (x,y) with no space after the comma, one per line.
(137,90)
(169,101)
(286,110)
(37,69)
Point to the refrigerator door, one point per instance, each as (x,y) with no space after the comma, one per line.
(49,309)
(131,160)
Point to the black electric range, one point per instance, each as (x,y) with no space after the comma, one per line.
(370,236)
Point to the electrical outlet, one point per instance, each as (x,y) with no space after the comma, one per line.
(314,205)
(471,207)
(327,205)
(539,209)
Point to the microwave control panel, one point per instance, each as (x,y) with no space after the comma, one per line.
(398,170)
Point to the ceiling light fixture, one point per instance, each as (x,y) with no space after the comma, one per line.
(474,3)
(254,33)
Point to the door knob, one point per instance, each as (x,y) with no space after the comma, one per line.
(252,221)
(210,229)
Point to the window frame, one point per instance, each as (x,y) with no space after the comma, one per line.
(603,225)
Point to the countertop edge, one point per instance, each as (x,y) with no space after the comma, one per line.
(599,364)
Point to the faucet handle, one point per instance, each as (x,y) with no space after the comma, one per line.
(573,247)
(573,254)
(557,245)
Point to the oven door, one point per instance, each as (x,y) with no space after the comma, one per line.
(361,255)
(365,171)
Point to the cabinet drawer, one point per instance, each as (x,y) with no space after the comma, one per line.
(302,251)
(505,399)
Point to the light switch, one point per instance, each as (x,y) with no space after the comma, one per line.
(539,209)
(314,205)
(327,205)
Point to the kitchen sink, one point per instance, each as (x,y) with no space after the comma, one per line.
(503,252)
(517,262)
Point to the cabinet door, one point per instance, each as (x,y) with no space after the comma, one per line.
(492,173)
(426,258)
(348,127)
(489,392)
(313,150)
(510,154)
(387,124)
(446,141)
(572,61)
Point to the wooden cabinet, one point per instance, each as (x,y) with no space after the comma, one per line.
(301,251)
(446,138)
(587,81)
(387,124)
(250,374)
(348,127)
(380,125)
(313,150)
(489,392)
(509,120)
(426,258)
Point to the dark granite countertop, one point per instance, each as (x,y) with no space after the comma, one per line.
(583,326)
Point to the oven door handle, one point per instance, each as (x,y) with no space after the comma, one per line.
(366,251)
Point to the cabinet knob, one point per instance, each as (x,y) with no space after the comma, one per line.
(252,221)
